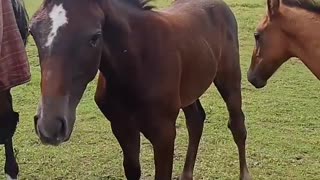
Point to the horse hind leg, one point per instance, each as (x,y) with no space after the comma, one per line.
(228,83)
(8,123)
(195,116)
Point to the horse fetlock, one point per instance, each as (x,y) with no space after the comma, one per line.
(11,169)
(245,176)
(186,176)
(132,169)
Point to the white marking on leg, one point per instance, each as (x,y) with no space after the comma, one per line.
(10,178)
(58,16)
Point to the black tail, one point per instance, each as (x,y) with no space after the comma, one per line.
(22,18)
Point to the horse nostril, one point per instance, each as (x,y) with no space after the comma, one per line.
(35,120)
(257,82)
(251,79)
(62,127)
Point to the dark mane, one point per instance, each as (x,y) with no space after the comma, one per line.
(309,5)
(141,4)
(22,18)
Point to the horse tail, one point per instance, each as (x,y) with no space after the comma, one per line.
(22,18)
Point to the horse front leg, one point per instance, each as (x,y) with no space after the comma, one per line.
(129,139)
(11,167)
(161,132)
(126,131)
(195,116)
(8,123)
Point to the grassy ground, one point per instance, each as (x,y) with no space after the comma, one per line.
(282,120)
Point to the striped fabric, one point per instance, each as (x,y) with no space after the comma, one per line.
(14,65)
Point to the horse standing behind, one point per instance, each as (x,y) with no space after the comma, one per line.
(290,29)
(155,63)
(14,70)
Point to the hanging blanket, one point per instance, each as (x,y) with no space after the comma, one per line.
(14,66)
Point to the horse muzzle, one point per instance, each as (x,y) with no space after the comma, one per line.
(51,131)
(255,80)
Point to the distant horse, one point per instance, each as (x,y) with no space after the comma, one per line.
(154,64)
(18,73)
(291,28)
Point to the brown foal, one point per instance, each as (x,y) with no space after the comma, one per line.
(152,64)
(290,29)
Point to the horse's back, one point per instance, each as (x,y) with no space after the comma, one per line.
(210,19)
(206,30)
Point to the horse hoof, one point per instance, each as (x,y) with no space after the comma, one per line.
(185,177)
(12,171)
(10,178)
(246,177)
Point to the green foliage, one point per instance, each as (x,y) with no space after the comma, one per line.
(282,120)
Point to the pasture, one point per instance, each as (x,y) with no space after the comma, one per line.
(282,121)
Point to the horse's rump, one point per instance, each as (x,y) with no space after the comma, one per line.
(14,66)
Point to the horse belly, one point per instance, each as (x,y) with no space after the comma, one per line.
(197,76)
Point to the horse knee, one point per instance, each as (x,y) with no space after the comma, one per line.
(6,102)
(237,126)
(8,125)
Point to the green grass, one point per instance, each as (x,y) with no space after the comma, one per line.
(282,120)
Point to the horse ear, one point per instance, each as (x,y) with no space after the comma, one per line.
(273,7)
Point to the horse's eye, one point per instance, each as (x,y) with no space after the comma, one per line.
(257,36)
(95,39)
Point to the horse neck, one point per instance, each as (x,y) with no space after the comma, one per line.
(304,37)
(125,42)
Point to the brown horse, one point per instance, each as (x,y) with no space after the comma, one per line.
(14,70)
(290,29)
(154,62)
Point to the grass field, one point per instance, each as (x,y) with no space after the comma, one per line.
(282,120)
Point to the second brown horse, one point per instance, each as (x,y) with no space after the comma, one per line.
(289,29)
(154,64)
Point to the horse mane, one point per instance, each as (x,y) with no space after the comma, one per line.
(141,4)
(22,18)
(309,5)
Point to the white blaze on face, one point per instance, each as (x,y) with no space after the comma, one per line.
(58,16)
